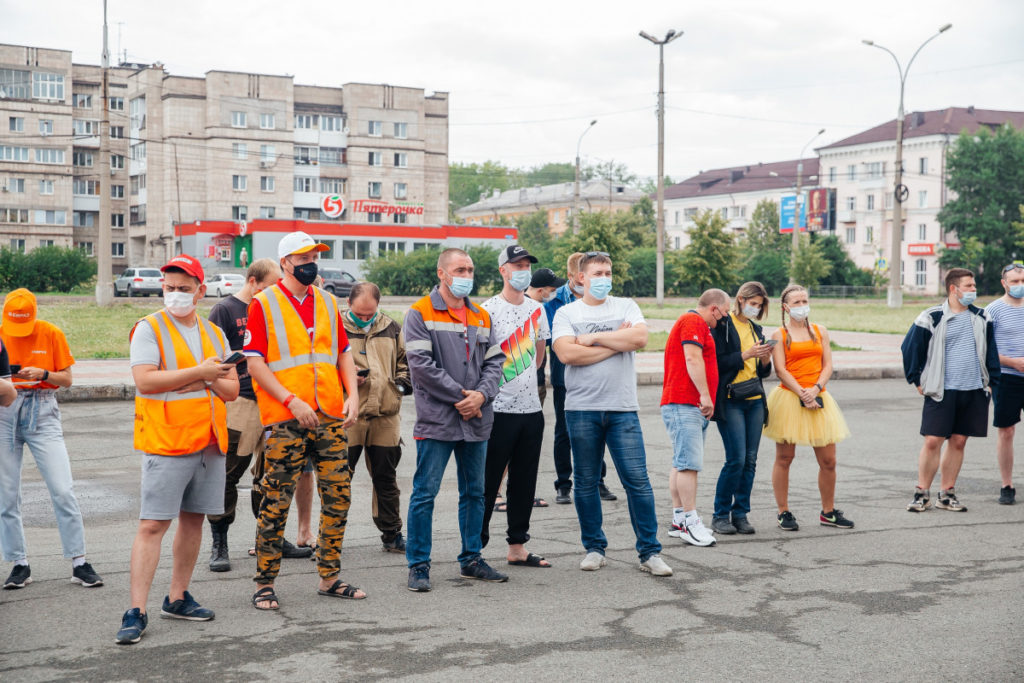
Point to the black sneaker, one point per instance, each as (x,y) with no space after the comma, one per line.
(563,497)
(605,493)
(186,608)
(419,578)
(84,575)
(787,521)
(836,519)
(742,525)
(478,569)
(395,545)
(20,577)
(1007,495)
(722,525)
(133,623)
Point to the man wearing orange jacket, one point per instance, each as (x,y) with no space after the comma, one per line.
(182,382)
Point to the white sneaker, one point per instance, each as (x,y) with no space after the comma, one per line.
(594,561)
(696,533)
(655,565)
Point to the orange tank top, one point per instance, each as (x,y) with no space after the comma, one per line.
(803,358)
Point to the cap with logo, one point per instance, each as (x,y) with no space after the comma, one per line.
(19,313)
(512,253)
(545,277)
(186,263)
(298,243)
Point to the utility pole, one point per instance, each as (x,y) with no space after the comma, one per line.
(576,190)
(796,208)
(660,220)
(104,284)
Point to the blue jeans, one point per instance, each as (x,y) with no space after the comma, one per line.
(740,428)
(34,419)
(590,431)
(431,460)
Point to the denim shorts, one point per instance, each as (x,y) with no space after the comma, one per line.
(175,483)
(688,429)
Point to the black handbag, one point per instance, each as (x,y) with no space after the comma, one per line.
(744,390)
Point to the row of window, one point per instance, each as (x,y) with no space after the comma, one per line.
(39,216)
(401,159)
(324,122)
(851,201)
(79,187)
(376,129)
(873,169)
(328,156)
(87,219)
(869,234)
(359,250)
(20,84)
(44,155)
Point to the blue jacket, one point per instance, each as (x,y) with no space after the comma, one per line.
(563,296)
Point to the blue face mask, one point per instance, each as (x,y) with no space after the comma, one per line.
(967,298)
(600,287)
(461,286)
(520,279)
(1017,291)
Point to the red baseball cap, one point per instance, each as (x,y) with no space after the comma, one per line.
(186,263)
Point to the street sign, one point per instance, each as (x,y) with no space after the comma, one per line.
(332,205)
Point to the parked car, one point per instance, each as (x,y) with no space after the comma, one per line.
(222,284)
(136,281)
(337,282)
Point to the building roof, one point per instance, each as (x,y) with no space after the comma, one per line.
(778,175)
(949,121)
(596,190)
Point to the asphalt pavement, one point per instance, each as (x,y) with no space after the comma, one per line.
(909,597)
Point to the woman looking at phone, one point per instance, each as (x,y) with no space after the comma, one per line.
(800,411)
(744,359)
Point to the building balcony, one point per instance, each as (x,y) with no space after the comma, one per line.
(846,216)
(90,141)
(307,200)
(873,183)
(85,203)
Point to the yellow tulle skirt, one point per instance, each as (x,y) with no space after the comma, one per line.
(790,422)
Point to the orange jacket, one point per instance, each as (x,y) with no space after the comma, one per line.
(170,423)
(307,366)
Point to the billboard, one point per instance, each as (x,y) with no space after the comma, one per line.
(817,210)
(786,210)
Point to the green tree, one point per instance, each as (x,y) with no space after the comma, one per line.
(650,186)
(468,182)
(535,236)
(986,179)
(404,274)
(842,269)
(46,269)
(711,259)
(597,232)
(548,174)
(612,170)
(637,224)
(810,265)
(765,251)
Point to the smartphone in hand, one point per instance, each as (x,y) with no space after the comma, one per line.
(771,342)
(234,359)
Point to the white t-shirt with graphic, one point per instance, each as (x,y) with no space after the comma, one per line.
(611,384)
(519,330)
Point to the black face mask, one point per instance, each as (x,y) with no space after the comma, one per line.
(305,273)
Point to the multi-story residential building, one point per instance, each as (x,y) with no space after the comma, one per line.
(556,200)
(227,146)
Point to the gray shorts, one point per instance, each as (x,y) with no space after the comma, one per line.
(189,483)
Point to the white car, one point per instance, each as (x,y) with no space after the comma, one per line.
(139,282)
(223,284)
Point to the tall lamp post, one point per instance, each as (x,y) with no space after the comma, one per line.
(660,268)
(900,192)
(796,207)
(576,190)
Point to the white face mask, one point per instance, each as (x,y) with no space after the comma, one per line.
(751,311)
(179,303)
(799,312)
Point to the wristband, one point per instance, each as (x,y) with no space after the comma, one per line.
(820,388)
(46,375)
(291,397)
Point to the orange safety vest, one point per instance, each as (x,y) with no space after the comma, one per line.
(170,423)
(307,365)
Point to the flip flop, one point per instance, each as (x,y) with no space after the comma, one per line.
(265,594)
(348,592)
(500,506)
(531,561)
(539,503)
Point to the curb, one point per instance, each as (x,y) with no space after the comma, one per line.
(882,372)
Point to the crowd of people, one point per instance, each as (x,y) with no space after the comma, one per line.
(288,382)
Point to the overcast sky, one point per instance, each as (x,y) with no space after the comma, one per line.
(748,81)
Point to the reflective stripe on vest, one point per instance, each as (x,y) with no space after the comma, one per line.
(169,423)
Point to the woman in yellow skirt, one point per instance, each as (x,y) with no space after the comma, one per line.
(800,411)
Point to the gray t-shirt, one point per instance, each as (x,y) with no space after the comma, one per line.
(611,384)
(145,351)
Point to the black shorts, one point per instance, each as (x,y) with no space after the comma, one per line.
(1008,397)
(959,412)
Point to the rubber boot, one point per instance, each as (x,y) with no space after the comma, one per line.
(219,560)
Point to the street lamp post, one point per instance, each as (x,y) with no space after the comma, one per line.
(900,192)
(660,267)
(796,208)
(576,190)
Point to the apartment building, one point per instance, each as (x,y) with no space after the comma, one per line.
(226,146)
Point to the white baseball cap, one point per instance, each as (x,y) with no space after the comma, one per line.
(298,243)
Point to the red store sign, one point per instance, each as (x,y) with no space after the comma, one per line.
(921,249)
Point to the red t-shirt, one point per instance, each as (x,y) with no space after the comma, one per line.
(256,327)
(678,387)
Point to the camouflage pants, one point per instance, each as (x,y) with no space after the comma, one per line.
(286,452)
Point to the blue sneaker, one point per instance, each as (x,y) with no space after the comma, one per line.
(419,578)
(480,570)
(133,623)
(186,608)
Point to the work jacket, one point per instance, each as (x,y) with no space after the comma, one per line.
(379,348)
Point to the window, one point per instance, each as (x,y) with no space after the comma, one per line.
(47,86)
(46,243)
(332,186)
(16,185)
(15,84)
(874,169)
(116,104)
(239,119)
(328,255)
(305,184)
(677,242)
(18,244)
(922,165)
(267,154)
(267,212)
(117,132)
(871,202)
(13,215)
(16,124)
(355,250)
(402,191)
(117,220)
(306,155)
(851,235)
(401,217)
(83,219)
(239,213)
(240,183)
(266,183)
(401,160)
(922,199)
(376,159)
(332,124)
(851,172)
(920,272)
(869,234)
(417,246)
(84,247)
(903,233)
(117,249)
(385,248)
(267,121)
(117,191)
(137,112)
(239,150)
(46,126)
(80,100)
(13,153)
(45,187)
(922,232)
(137,214)
(374,218)
(690,213)
(85,188)
(81,159)
(306,120)
(332,156)
(724,211)
(832,174)
(888,200)
(373,190)
(401,130)
(50,156)
(375,128)
(117,161)
(138,151)
(138,182)
(851,203)
(51,217)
